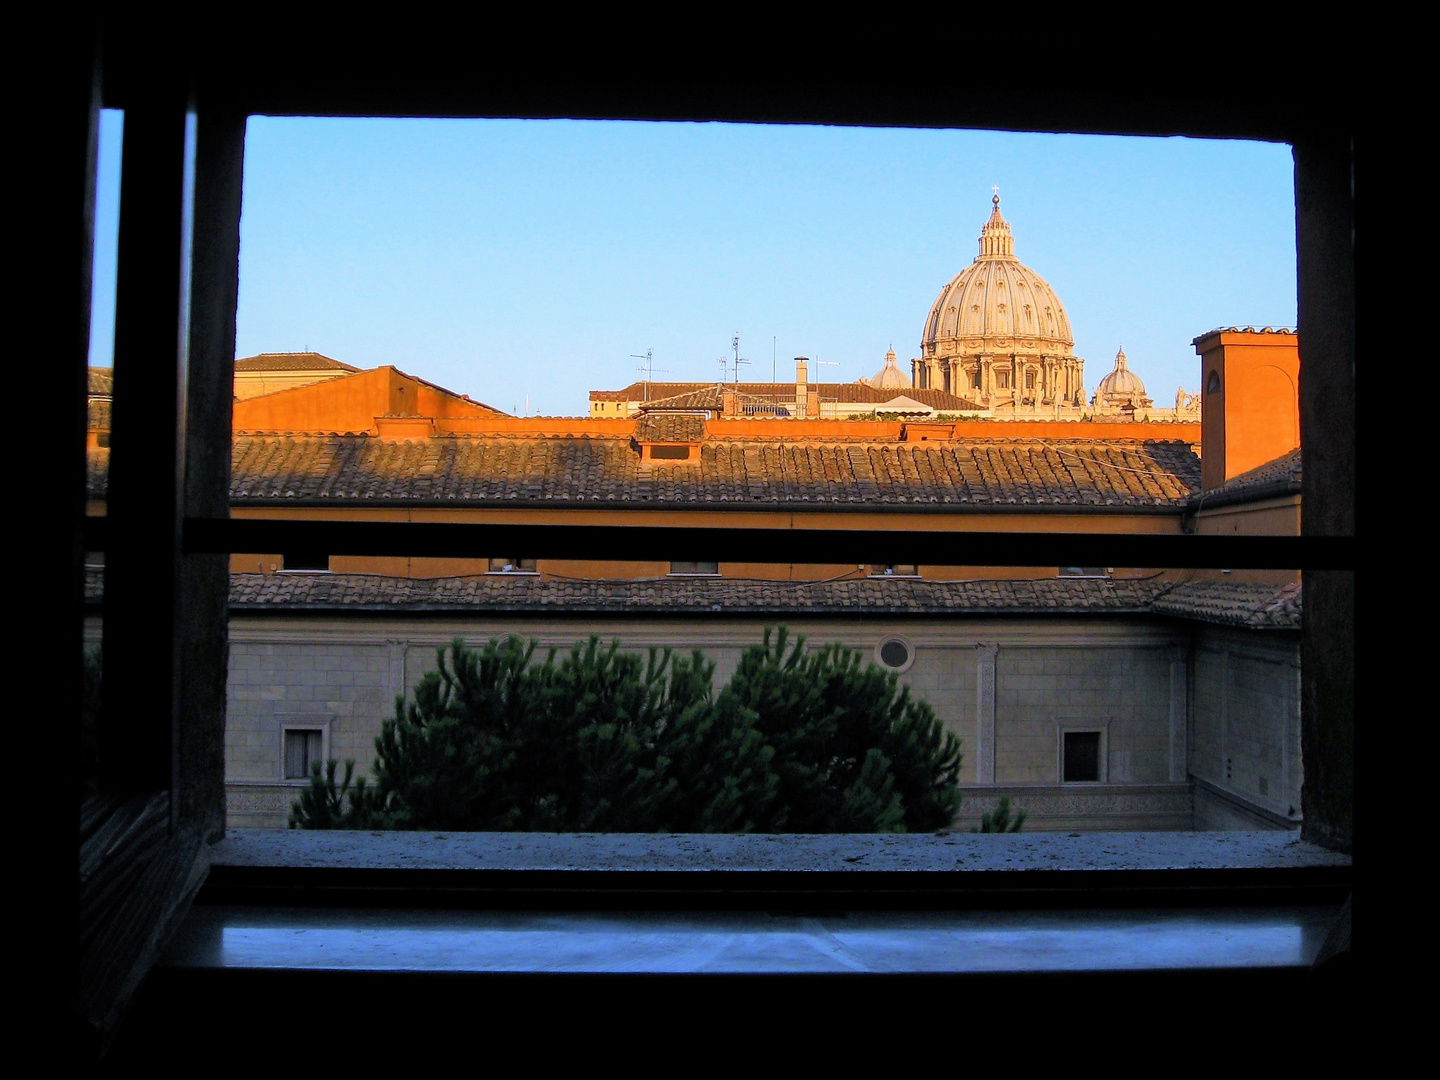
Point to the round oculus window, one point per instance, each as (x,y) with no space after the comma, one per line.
(894,653)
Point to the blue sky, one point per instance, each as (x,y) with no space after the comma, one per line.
(515,259)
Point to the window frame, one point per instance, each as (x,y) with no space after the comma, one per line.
(198,507)
(1083,726)
(696,573)
(287,727)
(909,646)
(513,567)
(286,568)
(891,570)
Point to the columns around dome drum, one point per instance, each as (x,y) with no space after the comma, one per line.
(1057,379)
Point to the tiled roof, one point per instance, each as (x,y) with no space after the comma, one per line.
(670,428)
(98,414)
(102,381)
(1234,604)
(1280,476)
(712,399)
(874,596)
(1244,330)
(1250,606)
(732,473)
(291,361)
(847,393)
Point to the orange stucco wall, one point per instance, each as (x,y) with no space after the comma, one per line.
(794,521)
(789,527)
(1253,415)
(351,403)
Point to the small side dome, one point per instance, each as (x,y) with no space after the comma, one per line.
(1121,381)
(890,377)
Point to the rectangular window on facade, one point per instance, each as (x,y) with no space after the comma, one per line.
(694,568)
(303,748)
(1084,571)
(304,560)
(512,566)
(895,570)
(1080,756)
(1002,380)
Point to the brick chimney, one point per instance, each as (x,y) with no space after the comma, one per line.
(802,388)
(1249,399)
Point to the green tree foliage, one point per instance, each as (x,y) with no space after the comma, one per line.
(602,740)
(999,819)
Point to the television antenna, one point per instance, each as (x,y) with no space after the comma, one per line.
(647,371)
(738,359)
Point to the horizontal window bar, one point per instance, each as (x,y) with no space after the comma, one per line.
(649,542)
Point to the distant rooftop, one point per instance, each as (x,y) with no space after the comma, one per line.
(1260,607)
(1229,603)
(1244,330)
(656,393)
(291,361)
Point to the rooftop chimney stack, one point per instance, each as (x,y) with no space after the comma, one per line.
(1249,399)
(802,389)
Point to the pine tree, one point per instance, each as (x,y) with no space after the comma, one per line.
(999,820)
(606,740)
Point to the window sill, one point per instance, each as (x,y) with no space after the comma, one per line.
(955,904)
(972,943)
(929,871)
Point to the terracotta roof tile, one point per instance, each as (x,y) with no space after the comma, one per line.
(496,592)
(1284,471)
(670,427)
(846,393)
(1234,604)
(739,473)
(101,381)
(1251,606)
(292,361)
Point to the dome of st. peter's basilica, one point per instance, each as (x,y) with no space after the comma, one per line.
(998,333)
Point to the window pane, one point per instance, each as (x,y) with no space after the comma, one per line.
(453,441)
(1082,756)
(297,755)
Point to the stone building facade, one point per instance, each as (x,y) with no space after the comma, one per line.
(1196,721)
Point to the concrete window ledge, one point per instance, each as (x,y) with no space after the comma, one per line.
(258,851)
(955,904)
